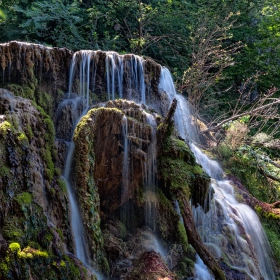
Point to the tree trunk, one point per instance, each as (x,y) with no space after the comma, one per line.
(195,240)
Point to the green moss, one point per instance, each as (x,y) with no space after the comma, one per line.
(88,193)
(4,170)
(57,171)
(90,113)
(29,132)
(31,252)
(13,120)
(166,217)
(62,185)
(3,269)
(21,137)
(49,171)
(26,90)
(185,268)
(12,229)
(182,236)
(4,126)
(49,137)
(177,173)
(14,247)
(59,231)
(24,198)
(44,100)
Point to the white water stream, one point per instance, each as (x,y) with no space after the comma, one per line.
(229,229)
(81,247)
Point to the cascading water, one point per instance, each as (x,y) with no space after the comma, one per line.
(81,248)
(229,229)
(128,68)
(77,230)
(120,70)
(125,213)
(150,175)
(250,251)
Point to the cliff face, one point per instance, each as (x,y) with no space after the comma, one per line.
(34,206)
(127,173)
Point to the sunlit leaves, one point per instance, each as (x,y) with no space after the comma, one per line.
(2,15)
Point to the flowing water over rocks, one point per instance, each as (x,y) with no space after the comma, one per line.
(121,200)
(242,253)
(231,230)
(76,221)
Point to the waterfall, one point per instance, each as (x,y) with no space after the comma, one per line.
(229,228)
(118,68)
(76,220)
(235,218)
(150,175)
(249,250)
(81,247)
(182,116)
(125,213)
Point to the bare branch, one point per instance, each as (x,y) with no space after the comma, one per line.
(235,117)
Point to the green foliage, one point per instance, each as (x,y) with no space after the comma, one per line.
(2,16)
(273,237)
(55,22)
(233,124)
(250,164)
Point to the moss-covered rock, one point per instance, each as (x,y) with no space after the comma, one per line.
(179,171)
(31,195)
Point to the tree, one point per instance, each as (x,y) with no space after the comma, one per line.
(212,52)
(55,22)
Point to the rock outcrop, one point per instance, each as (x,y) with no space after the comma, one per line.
(34,219)
(127,172)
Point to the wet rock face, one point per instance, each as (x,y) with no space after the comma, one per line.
(47,69)
(150,266)
(22,61)
(100,141)
(33,205)
(233,274)
(138,255)
(65,117)
(106,126)
(99,155)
